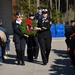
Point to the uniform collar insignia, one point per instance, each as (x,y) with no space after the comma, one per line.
(46,20)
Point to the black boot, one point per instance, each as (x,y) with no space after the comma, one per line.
(18,62)
(23,63)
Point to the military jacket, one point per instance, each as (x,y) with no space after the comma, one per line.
(44,24)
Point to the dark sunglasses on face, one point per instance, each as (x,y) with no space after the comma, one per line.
(18,17)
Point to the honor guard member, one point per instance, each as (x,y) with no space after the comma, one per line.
(27,27)
(70,38)
(44,36)
(19,39)
(38,15)
(31,40)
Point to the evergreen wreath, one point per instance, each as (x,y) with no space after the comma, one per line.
(27,27)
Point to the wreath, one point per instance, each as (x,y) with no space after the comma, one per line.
(27,27)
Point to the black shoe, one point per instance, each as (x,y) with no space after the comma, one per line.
(35,57)
(30,60)
(18,63)
(44,64)
(23,63)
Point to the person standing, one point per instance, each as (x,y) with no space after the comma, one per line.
(44,36)
(31,43)
(27,27)
(70,38)
(19,39)
(38,15)
(3,29)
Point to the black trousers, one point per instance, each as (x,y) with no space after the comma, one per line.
(45,45)
(20,49)
(72,56)
(72,49)
(36,50)
(31,47)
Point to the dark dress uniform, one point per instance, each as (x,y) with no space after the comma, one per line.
(19,41)
(31,40)
(70,41)
(27,27)
(45,38)
(67,35)
(38,15)
(31,47)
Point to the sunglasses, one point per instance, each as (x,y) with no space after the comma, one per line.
(18,17)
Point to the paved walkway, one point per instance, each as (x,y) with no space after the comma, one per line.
(59,63)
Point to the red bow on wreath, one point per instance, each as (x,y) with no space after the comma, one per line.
(28,22)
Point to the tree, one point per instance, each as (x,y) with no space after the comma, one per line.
(38,3)
(57,8)
(51,8)
(67,10)
(74,9)
(26,6)
(59,5)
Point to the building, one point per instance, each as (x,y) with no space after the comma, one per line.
(6,13)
